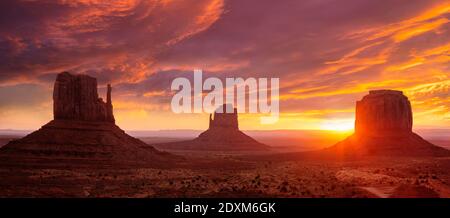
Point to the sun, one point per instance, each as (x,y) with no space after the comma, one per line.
(338,125)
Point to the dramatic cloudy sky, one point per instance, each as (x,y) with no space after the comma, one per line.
(327,54)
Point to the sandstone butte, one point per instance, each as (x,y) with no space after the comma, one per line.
(83,131)
(383,126)
(223,134)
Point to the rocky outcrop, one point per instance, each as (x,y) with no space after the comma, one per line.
(383,112)
(383,126)
(223,134)
(223,119)
(75,97)
(82,132)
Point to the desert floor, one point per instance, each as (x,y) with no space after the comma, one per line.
(222,174)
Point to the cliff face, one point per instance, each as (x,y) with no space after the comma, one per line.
(224,120)
(383,126)
(383,112)
(75,97)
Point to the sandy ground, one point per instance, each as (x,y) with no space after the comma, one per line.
(235,174)
(232,175)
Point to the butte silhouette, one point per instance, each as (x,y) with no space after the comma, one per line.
(383,126)
(223,134)
(83,131)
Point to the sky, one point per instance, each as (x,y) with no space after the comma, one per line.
(327,53)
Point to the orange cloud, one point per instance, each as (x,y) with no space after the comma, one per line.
(419,29)
(209,14)
(406,29)
(155,93)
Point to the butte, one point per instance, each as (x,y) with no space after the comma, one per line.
(83,132)
(223,134)
(383,127)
